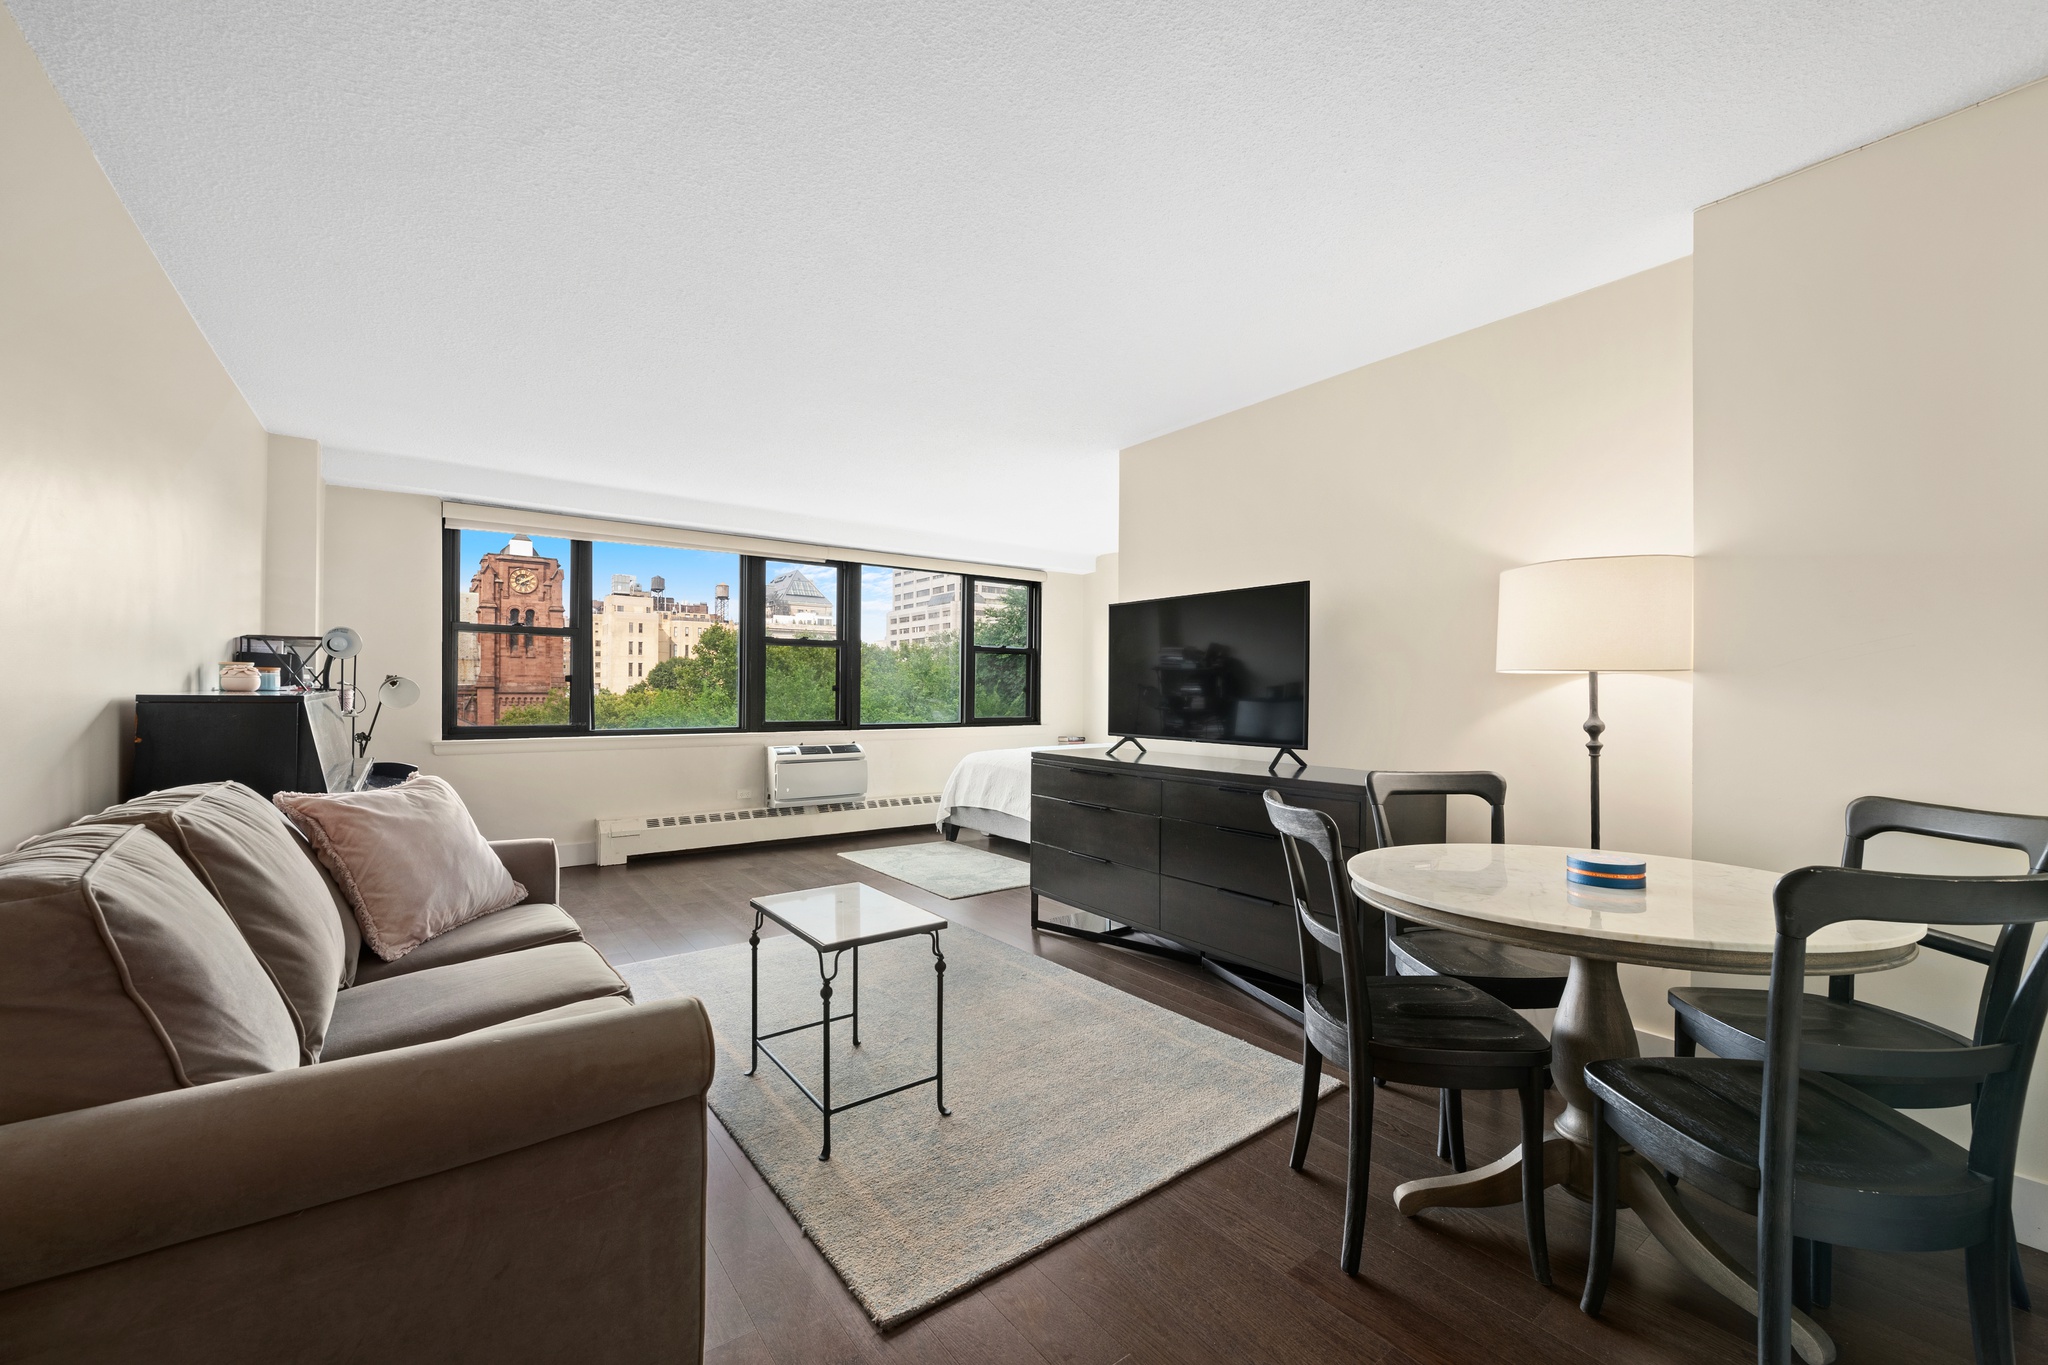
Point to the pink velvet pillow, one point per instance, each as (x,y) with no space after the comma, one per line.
(409,859)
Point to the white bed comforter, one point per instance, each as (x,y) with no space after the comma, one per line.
(994,779)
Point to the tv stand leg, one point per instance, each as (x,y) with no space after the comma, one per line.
(1300,763)
(1128,740)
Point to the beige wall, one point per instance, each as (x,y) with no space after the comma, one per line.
(1871,471)
(1401,490)
(382,575)
(131,471)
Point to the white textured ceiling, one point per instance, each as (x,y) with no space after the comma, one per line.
(909,272)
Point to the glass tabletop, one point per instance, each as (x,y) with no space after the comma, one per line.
(847,915)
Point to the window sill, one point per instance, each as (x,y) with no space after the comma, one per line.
(1026,736)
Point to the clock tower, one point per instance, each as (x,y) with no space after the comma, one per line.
(515,587)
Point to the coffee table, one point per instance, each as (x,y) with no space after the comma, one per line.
(838,920)
(1703,916)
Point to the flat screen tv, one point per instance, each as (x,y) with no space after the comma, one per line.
(1219,667)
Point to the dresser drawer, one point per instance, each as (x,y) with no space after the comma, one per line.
(1086,883)
(1243,806)
(1099,786)
(1235,927)
(1228,858)
(1121,836)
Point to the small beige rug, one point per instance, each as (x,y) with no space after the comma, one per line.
(1070,1099)
(946,869)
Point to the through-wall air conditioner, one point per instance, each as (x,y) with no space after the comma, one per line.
(799,774)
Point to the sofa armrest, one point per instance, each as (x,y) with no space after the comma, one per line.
(535,865)
(98,1185)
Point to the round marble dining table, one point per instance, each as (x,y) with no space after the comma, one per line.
(1692,915)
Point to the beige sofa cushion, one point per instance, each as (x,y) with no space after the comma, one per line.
(260,869)
(121,975)
(425,1007)
(501,931)
(409,859)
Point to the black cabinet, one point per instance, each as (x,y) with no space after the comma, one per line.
(1180,846)
(279,742)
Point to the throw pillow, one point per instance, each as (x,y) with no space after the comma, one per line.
(409,858)
(121,976)
(257,866)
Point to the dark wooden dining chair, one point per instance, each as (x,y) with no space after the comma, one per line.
(1816,1158)
(1428,1031)
(1906,1062)
(1522,978)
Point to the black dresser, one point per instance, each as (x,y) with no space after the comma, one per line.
(272,741)
(1178,847)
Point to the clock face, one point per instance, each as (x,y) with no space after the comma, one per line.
(524,580)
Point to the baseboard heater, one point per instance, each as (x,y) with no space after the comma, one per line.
(634,835)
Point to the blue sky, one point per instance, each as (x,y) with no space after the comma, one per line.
(688,575)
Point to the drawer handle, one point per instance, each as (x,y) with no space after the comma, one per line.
(1087,805)
(1243,791)
(1246,896)
(1090,857)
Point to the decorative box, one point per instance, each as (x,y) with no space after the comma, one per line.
(1616,871)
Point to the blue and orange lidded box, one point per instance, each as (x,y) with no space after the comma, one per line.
(1615,871)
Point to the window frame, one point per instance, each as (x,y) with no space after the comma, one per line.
(971,591)
(750,622)
(577,632)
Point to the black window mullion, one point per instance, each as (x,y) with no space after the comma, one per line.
(753,642)
(451,599)
(848,634)
(582,641)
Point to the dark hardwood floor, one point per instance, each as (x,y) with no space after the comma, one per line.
(1237,1260)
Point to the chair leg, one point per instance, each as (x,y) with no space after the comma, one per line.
(1823,1274)
(1606,1200)
(1802,1274)
(1356,1173)
(1683,1044)
(1988,1272)
(1450,1128)
(1532,1176)
(2020,1298)
(1305,1121)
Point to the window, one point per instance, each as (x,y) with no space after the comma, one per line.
(909,673)
(509,646)
(532,649)
(679,602)
(800,644)
(1004,651)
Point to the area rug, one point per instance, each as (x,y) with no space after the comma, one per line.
(1070,1099)
(946,869)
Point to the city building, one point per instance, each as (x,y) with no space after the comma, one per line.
(633,629)
(925,604)
(498,671)
(796,608)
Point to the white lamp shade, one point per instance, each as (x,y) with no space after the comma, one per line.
(1624,614)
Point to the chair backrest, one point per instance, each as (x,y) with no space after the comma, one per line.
(1488,787)
(1810,899)
(1302,828)
(1869,816)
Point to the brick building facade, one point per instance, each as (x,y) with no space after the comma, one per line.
(512,587)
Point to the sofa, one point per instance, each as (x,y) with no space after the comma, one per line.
(228,1133)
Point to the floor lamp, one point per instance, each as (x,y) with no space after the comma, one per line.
(1624,614)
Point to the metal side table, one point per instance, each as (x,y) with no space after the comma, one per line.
(838,920)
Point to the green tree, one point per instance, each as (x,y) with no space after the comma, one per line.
(801,683)
(916,683)
(1002,682)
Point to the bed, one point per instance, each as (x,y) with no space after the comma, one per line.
(991,791)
